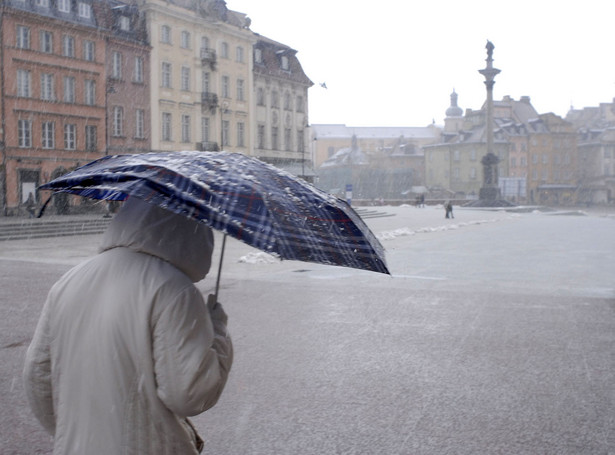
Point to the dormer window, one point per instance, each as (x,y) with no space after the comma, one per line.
(64,6)
(284,62)
(124,23)
(85,10)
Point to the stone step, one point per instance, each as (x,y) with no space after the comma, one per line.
(41,228)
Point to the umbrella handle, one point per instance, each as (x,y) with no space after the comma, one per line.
(220,267)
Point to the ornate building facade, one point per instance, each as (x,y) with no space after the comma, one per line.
(55,58)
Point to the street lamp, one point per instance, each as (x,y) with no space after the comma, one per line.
(223,110)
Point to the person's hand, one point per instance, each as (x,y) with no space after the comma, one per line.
(215,309)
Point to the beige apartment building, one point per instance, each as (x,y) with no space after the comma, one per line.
(201,75)
(281,108)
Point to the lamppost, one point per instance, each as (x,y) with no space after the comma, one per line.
(223,110)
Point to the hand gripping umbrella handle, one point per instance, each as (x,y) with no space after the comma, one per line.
(220,267)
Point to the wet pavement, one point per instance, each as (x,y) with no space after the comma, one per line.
(495,334)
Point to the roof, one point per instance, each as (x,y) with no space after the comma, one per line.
(332,131)
(271,61)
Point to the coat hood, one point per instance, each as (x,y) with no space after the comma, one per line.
(147,228)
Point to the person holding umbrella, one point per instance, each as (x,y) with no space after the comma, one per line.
(126,349)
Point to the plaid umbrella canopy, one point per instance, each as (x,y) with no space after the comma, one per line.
(244,197)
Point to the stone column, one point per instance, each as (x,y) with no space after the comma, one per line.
(490,189)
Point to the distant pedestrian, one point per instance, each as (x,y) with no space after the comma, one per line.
(448,206)
(30,205)
(126,349)
(422,200)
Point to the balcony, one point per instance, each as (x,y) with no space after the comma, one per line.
(209,100)
(207,146)
(208,57)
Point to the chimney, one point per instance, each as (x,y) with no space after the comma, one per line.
(525,99)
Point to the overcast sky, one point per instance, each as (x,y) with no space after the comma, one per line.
(396,62)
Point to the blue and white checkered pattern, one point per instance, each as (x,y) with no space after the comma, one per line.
(252,201)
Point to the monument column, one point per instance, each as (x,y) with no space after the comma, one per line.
(490,190)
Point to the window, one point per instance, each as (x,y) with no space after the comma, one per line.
(239,54)
(139,124)
(260,96)
(118,121)
(205,129)
(473,173)
(300,105)
(23,37)
(70,136)
(287,103)
(185,78)
(90,92)
(456,155)
(224,50)
(513,162)
(185,42)
(456,174)
(47,92)
(287,140)
(240,90)
(89,50)
(166,126)
(68,46)
(90,138)
(166,75)
(260,136)
(138,74)
(64,6)
(284,62)
(241,134)
(24,133)
(116,69)
(24,83)
(48,135)
(258,56)
(165,34)
(85,10)
(204,42)
(225,132)
(274,138)
(42,3)
(225,87)
(545,158)
(185,128)
(275,99)
(69,89)
(300,141)
(124,23)
(46,42)
(205,77)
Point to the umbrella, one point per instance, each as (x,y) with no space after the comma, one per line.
(241,196)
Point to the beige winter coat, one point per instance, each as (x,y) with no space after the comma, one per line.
(126,348)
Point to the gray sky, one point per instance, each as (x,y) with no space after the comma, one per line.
(396,62)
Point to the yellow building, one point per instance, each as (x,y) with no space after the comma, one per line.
(201,75)
(328,139)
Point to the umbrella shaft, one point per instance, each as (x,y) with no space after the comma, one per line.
(220,266)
